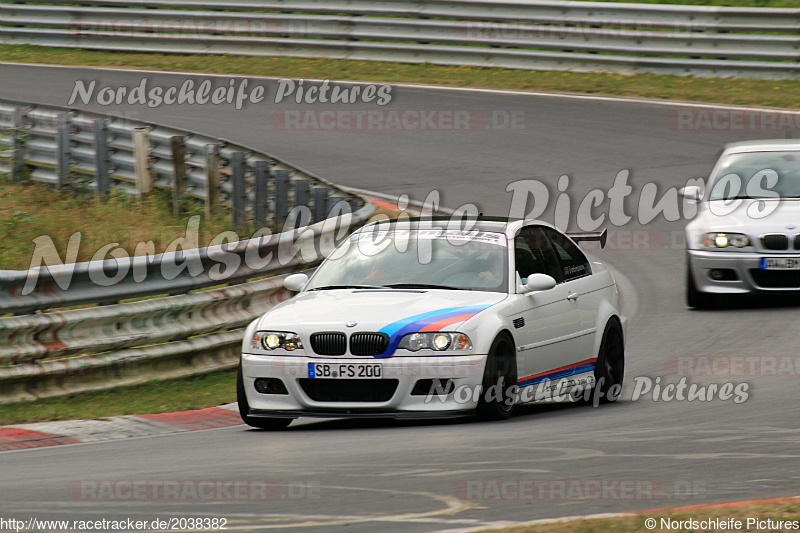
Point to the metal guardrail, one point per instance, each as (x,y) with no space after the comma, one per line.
(128,344)
(100,152)
(64,351)
(552,35)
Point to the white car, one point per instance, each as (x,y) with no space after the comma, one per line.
(408,320)
(746,235)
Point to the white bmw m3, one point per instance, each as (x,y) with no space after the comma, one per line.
(405,319)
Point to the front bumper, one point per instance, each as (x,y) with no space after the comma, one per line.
(747,266)
(466,372)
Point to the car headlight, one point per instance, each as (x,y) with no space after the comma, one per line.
(274,340)
(438,341)
(724,240)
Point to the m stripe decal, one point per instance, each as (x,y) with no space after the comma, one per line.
(562,372)
(433,319)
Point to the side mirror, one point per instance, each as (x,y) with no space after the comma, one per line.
(295,282)
(692,192)
(540,282)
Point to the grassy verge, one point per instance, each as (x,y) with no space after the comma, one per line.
(27,212)
(155,397)
(30,210)
(732,3)
(712,90)
(787,509)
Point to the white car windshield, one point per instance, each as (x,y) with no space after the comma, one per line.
(758,175)
(427,259)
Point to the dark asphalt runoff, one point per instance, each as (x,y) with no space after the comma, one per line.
(371,475)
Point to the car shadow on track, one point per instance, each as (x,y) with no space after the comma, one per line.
(522,413)
(748,302)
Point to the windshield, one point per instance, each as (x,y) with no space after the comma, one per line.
(416,259)
(758,175)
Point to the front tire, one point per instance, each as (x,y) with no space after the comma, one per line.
(610,367)
(244,409)
(500,375)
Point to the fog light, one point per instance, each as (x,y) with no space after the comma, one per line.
(723,274)
(270,386)
(429,387)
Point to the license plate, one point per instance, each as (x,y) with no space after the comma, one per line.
(780,263)
(345,370)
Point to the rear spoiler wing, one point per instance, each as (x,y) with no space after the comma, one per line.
(600,236)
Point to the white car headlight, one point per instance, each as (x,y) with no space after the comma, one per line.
(438,341)
(274,340)
(715,240)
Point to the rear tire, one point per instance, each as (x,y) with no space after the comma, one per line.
(694,297)
(244,409)
(609,370)
(500,374)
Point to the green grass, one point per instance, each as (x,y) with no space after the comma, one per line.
(784,94)
(26,212)
(154,397)
(732,3)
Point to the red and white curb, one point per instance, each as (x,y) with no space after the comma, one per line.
(40,434)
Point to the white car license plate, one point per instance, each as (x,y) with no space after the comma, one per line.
(780,263)
(345,370)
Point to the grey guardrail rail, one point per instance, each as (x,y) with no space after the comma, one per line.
(547,34)
(60,146)
(47,349)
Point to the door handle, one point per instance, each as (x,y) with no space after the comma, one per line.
(572,296)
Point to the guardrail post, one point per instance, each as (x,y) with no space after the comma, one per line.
(301,188)
(260,206)
(178,173)
(62,150)
(212,180)
(281,196)
(333,201)
(320,203)
(19,144)
(141,162)
(238,166)
(101,178)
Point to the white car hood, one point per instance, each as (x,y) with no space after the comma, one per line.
(376,310)
(785,214)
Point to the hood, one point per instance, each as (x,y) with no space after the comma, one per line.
(781,214)
(393,312)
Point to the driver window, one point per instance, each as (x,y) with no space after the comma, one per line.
(573,263)
(533,254)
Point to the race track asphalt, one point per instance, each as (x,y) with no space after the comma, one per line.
(366,475)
